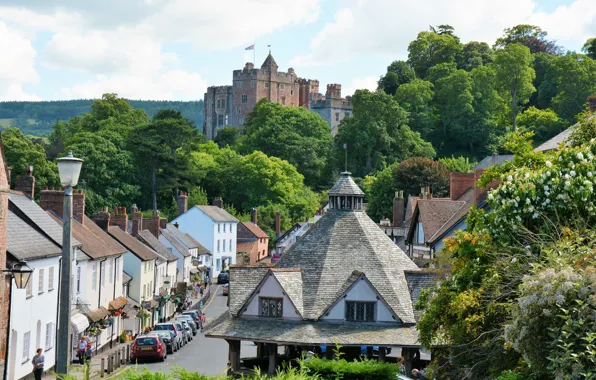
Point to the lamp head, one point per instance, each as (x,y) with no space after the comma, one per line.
(69,169)
(21,273)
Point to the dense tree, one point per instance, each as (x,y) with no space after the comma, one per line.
(20,152)
(589,48)
(575,79)
(416,98)
(377,134)
(543,123)
(430,49)
(293,134)
(409,176)
(453,99)
(398,73)
(160,149)
(475,54)
(227,136)
(457,164)
(545,81)
(531,36)
(515,75)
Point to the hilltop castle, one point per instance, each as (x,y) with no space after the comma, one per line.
(230,105)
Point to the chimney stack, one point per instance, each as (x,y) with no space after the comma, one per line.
(53,200)
(459,183)
(137,219)
(119,218)
(153,224)
(399,208)
(253,216)
(422,192)
(182,202)
(26,183)
(102,218)
(163,223)
(277,224)
(217,201)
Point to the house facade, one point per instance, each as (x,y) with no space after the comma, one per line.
(252,240)
(5,278)
(215,229)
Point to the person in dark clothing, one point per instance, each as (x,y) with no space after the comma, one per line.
(37,362)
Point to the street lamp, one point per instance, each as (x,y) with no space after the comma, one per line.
(69,169)
(21,272)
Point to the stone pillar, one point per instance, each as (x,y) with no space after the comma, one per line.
(408,355)
(382,354)
(369,352)
(234,354)
(260,350)
(272,348)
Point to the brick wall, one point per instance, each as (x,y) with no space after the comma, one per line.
(182,203)
(4,278)
(119,218)
(53,200)
(459,183)
(26,183)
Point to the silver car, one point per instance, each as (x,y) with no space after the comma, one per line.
(186,328)
(191,322)
(177,333)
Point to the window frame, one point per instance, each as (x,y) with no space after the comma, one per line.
(26,347)
(94,276)
(50,279)
(49,344)
(40,286)
(78,279)
(29,288)
(244,99)
(354,317)
(276,299)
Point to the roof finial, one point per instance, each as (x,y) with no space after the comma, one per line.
(269,46)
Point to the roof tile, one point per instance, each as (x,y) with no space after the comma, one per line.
(136,247)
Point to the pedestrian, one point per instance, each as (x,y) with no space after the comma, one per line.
(202,291)
(38,364)
(417,374)
(81,350)
(89,353)
(202,320)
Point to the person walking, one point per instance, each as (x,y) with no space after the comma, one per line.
(202,291)
(202,320)
(37,362)
(89,353)
(81,350)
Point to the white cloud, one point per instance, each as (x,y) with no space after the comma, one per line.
(366,83)
(17,63)
(15,92)
(387,26)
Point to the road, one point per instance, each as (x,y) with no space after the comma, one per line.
(205,355)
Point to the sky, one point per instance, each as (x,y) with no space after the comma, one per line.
(175,49)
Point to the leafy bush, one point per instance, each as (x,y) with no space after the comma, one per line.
(342,369)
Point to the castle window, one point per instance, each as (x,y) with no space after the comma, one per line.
(244,98)
(267,84)
(360,311)
(223,103)
(282,86)
(218,103)
(238,110)
(252,84)
(291,92)
(337,116)
(220,119)
(283,100)
(238,84)
(270,307)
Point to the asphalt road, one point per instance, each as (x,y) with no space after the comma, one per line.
(205,355)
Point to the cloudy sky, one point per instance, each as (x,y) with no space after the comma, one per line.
(174,49)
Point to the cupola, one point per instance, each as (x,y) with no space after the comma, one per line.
(345,194)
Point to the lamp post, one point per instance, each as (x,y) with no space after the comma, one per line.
(69,169)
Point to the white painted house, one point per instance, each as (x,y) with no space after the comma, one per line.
(186,248)
(214,228)
(32,236)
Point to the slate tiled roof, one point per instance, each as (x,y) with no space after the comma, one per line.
(176,243)
(255,230)
(419,280)
(410,207)
(25,242)
(149,239)
(554,142)
(434,213)
(96,243)
(132,244)
(311,333)
(489,161)
(269,62)
(291,282)
(187,240)
(468,199)
(339,243)
(24,206)
(243,281)
(217,214)
(345,186)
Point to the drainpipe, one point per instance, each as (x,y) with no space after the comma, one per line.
(114,297)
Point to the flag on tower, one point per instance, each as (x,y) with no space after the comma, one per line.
(251,47)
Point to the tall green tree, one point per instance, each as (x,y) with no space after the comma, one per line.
(228,136)
(430,49)
(515,76)
(544,124)
(416,98)
(453,99)
(398,73)
(160,149)
(575,79)
(531,36)
(589,48)
(293,134)
(475,54)
(377,135)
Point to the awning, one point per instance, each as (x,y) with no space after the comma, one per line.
(118,303)
(97,314)
(79,322)
(194,270)
(151,304)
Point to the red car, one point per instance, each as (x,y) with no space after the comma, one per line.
(148,346)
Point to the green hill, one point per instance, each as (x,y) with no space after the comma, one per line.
(37,118)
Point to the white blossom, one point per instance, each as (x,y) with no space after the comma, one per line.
(549,164)
(579,156)
(572,173)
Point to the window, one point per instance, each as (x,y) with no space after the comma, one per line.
(117,262)
(244,98)
(218,103)
(218,245)
(111,272)
(223,103)
(78,279)
(102,275)
(40,284)
(94,276)
(266,84)
(291,92)
(220,119)
(238,110)
(360,311)
(282,86)
(150,288)
(144,290)
(271,307)
(252,83)
(283,100)
(224,245)
(241,121)
(38,336)
(238,84)
(230,245)
(337,116)
(30,287)
(26,338)
(49,335)
(218,264)
(347,114)
(225,227)
(218,227)
(51,279)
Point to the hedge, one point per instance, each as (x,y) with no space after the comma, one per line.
(353,370)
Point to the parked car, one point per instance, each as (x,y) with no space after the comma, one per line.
(185,334)
(148,346)
(168,339)
(187,329)
(194,314)
(190,321)
(226,290)
(223,278)
(363,350)
(178,335)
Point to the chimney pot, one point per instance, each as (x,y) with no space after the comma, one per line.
(218,201)
(176,225)
(399,208)
(26,183)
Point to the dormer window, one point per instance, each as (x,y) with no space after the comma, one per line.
(270,307)
(360,311)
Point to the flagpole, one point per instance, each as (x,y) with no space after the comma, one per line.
(254,54)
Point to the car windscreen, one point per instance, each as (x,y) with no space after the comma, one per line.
(146,342)
(164,327)
(179,326)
